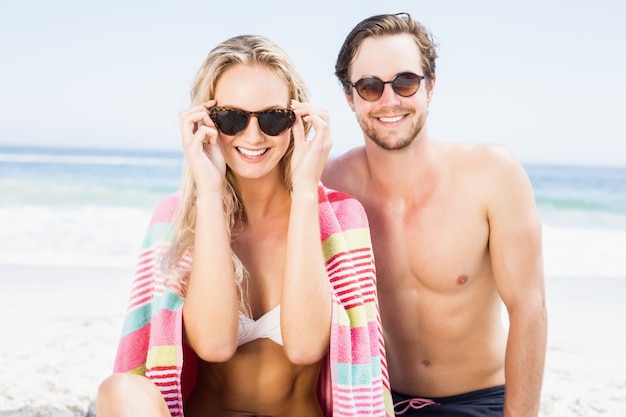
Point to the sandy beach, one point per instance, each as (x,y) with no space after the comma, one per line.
(59,329)
(60,326)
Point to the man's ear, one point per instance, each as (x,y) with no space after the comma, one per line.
(431,88)
(349,99)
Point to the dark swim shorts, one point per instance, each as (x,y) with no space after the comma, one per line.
(482,403)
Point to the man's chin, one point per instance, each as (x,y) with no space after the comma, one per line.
(390,144)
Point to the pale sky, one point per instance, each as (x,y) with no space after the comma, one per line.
(545,78)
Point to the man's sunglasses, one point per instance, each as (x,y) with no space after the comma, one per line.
(371,88)
(272,122)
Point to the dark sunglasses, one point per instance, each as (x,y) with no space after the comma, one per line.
(272,122)
(371,88)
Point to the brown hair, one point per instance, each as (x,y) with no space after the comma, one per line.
(384,25)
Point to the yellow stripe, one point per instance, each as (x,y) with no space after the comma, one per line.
(370,308)
(357,316)
(161,356)
(361,315)
(140,370)
(342,316)
(345,241)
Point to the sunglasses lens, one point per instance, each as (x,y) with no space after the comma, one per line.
(276,121)
(406,84)
(370,88)
(272,122)
(230,122)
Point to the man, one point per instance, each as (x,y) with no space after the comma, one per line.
(456,234)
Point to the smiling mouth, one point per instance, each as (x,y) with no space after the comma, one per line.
(252,153)
(391,119)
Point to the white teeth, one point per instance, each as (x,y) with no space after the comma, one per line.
(252,153)
(390,119)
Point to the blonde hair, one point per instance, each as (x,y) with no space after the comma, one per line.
(240,50)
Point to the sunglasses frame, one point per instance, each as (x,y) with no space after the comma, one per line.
(418,77)
(258,114)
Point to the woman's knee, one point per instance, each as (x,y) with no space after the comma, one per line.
(120,385)
(129,394)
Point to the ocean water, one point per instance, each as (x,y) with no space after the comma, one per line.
(64,206)
(580,196)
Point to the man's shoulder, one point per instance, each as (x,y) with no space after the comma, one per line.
(480,156)
(342,170)
(354,156)
(492,171)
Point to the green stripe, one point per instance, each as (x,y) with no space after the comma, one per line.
(170,300)
(156,233)
(141,316)
(358,374)
(136,319)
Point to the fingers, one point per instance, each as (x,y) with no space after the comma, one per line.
(200,144)
(298,129)
(196,125)
(317,117)
(309,157)
(205,134)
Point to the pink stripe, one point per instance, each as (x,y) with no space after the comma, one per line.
(347,256)
(372,330)
(141,293)
(140,302)
(166,338)
(361,345)
(356,345)
(145,266)
(132,349)
(164,212)
(348,211)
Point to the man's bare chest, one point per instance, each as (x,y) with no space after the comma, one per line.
(436,245)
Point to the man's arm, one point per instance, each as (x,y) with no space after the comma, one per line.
(517,262)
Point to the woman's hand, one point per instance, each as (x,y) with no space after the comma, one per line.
(203,153)
(309,156)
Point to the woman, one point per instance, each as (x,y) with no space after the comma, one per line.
(238,308)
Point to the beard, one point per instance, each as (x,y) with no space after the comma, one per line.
(392,141)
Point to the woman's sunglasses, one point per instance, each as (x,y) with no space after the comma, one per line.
(371,88)
(272,122)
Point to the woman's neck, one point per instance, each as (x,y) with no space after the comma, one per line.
(264,199)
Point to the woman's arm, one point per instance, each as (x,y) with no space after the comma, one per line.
(211,298)
(306,299)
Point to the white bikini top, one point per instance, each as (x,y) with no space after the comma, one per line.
(267,326)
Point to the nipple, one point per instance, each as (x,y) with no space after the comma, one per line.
(462,279)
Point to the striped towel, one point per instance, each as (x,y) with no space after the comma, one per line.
(354,382)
